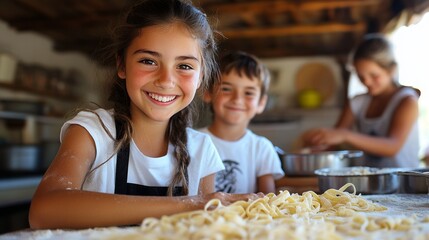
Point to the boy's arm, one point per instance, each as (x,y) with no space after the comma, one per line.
(266,184)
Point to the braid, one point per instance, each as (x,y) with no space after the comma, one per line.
(149,13)
(179,139)
(121,103)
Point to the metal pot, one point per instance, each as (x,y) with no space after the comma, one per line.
(366,180)
(414,181)
(20,157)
(304,164)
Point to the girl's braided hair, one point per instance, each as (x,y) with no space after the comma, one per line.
(153,12)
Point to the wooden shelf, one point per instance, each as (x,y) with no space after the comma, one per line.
(33,91)
(24,116)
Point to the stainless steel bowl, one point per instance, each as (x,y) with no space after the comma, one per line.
(366,180)
(414,181)
(304,164)
(20,157)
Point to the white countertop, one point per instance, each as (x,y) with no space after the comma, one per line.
(399,205)
(402,204)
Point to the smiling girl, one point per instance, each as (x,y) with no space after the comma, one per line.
(140,158)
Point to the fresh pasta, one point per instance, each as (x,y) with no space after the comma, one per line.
(335,214)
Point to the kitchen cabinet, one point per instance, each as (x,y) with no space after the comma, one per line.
(14,218)
(33,134)
(26,116)
(19,177)
(38,91)
(15,198)
(22,128)
(34,126)
(35,108)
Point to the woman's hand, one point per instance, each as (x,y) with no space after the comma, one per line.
(324,137)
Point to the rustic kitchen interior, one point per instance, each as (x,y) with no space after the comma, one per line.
(49,66)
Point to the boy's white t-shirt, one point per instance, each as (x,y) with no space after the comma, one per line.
(245,160)
(142,170)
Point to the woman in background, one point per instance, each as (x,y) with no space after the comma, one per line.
(383,121)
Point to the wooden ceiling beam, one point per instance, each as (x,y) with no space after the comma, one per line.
(48,24)
(250,19)
(294,30)
(37,7)
(321,5)
(282,6)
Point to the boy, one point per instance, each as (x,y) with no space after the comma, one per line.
(251,161)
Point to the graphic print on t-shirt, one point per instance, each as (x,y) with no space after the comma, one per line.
(226,179)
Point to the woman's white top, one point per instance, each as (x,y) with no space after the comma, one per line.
(379,126)
(142,170)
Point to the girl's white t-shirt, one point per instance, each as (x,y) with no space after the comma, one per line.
(142,169)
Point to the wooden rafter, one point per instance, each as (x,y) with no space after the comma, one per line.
(281,6)
(266,27)
(294,30)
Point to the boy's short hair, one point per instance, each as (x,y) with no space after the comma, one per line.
(248,64)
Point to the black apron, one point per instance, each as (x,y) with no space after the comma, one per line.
(121,184)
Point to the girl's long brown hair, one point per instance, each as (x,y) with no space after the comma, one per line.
(148,13)
(376,47)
